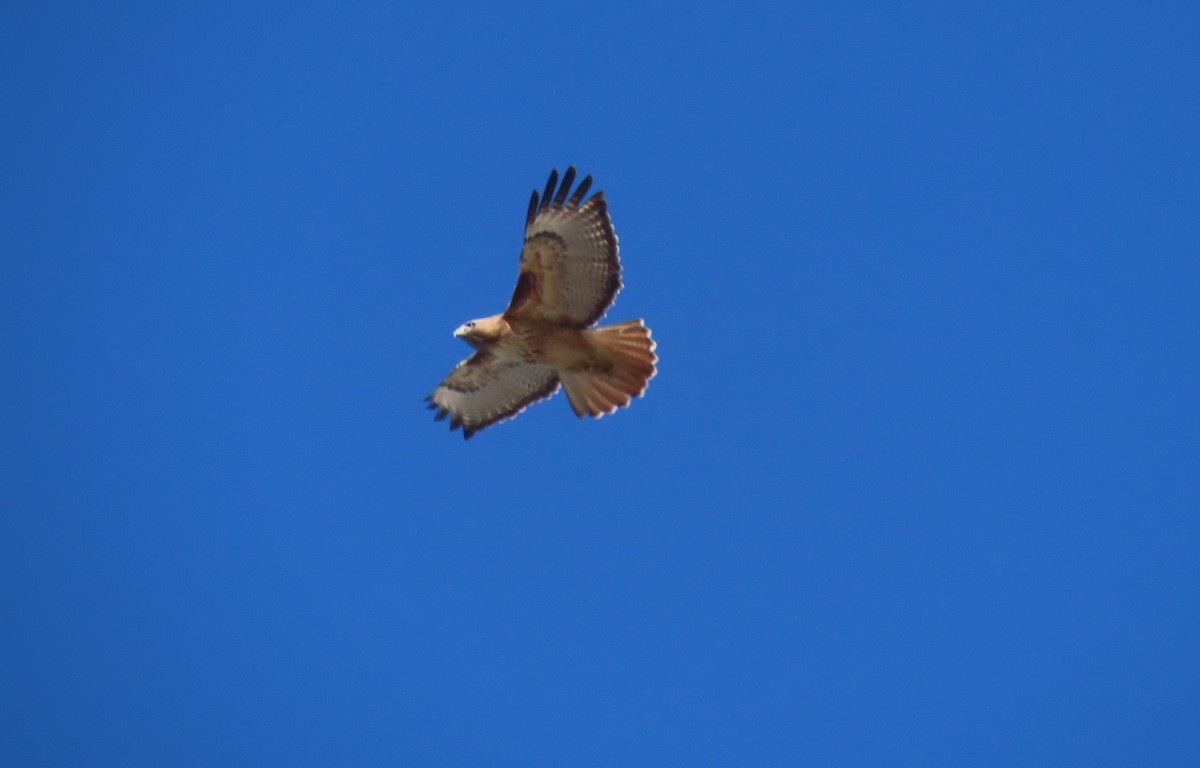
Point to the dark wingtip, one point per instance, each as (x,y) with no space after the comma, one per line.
(584,186)
(431,405)
(565,187)
(533,207)
(550,185)
(556,194)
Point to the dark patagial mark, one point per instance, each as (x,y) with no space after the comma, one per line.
(523,289)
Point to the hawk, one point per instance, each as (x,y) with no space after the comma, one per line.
(569,275)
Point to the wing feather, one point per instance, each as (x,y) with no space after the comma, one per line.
(483,390)
(549,189)
(533,209)
(568,180)
(580,191)
(570,272)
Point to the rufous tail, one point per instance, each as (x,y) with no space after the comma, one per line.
(623,367)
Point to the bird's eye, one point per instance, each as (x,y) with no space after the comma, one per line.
(471,325)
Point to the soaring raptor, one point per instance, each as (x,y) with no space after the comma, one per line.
(569,275)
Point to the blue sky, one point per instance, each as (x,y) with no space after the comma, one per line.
(916,483)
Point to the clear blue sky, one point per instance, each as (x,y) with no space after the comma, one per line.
(918,481)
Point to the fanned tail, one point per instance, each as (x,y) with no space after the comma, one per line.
(625,365)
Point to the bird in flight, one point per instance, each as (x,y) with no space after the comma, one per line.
(569,276)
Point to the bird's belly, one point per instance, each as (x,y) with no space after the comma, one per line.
(569,350)
(565,349)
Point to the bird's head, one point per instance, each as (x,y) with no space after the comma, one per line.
(478,333)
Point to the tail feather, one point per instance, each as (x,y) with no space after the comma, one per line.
(625,363)
(610,392)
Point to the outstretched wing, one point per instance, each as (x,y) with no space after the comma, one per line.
(482,390)
(570,272)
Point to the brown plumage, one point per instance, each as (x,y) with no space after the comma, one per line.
(569,276)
